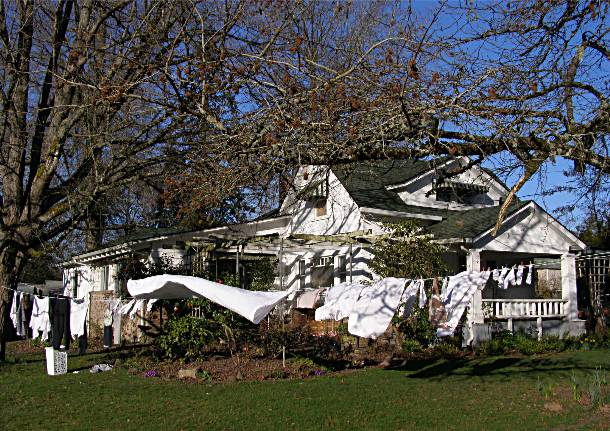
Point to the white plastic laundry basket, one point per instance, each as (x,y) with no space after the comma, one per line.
(57,362)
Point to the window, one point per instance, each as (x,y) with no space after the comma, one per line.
(302,274)
(342,268)
(320,207)
(104,273)
(322,272)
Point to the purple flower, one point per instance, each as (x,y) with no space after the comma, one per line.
(151,373)
(318,372)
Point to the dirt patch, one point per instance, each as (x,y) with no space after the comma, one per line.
(553,407)
(236,368)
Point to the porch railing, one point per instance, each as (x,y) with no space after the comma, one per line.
(524,308)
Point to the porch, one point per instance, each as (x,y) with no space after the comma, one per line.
(522,307)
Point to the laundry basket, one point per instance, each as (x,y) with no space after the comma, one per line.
(57,362)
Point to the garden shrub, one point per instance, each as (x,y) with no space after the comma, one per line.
(446,350)
(506,342)
(186,337)
(411,346)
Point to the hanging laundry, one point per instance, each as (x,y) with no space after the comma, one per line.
(252,305)
(495,274)
(422,293)
(150,304)
(376,306)
(409,297)
(437,313)
(137,308)
(510,279)
(61,323)
(339,302)
(461,288)
(79,310)
(519,279)
(126,308)
(530,272)
(309,299)
(503,274)
(107,328)
(116,319)
(17,313)
(39,321)
(444,289)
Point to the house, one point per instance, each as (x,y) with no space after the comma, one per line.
(322,234)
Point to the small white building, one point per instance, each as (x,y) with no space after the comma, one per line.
(321,235)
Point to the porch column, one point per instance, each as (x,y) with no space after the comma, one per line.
(473,263)
(568,285)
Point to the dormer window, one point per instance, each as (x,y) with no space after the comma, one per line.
(455,191)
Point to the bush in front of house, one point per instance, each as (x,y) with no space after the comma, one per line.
(186,337)
(526,344)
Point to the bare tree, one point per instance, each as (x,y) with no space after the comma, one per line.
(84,111)
(330,83)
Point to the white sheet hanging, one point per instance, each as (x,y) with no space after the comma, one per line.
(137,308)
(252,305)
(339,302)
(460,290)
(519,279)
(376,306)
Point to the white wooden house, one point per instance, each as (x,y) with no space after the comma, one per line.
(321,235)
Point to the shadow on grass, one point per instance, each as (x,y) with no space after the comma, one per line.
(493,367)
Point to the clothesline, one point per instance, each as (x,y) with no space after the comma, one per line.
(67,297)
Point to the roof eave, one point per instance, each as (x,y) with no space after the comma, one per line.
(401,214)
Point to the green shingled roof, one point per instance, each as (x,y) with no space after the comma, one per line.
(470,223)
(366,182)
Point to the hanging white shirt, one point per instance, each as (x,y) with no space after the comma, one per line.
(376,306)
(40,317)
(78,317)
(15,308)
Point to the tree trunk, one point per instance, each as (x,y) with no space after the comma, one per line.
(9,276)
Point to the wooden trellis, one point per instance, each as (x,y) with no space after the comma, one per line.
(594,270)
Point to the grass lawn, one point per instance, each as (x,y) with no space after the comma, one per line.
(500,393)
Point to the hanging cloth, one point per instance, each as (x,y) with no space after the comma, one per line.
(495,274)
(422,293)
(510,279)
(530,272)
(461,289)
(503,274)
(126,308)
(376,306)
(339,301)
(40,317)
(79,310)
(137,308)
(519,279)
(17,313)
(437,313)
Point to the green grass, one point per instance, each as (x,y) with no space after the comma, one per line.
(500,393)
